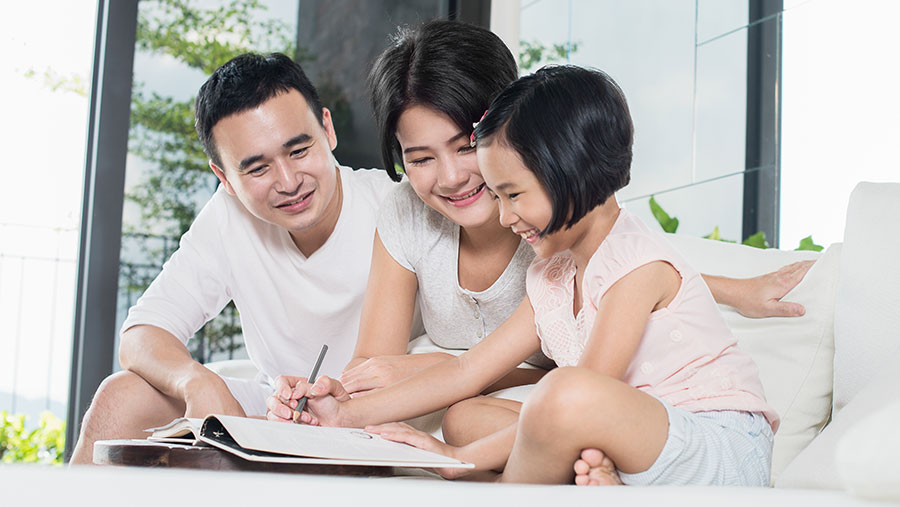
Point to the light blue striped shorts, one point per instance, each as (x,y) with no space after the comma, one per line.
(718,448)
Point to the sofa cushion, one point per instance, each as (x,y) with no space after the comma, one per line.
(867,318)
(873,449)
(794,354)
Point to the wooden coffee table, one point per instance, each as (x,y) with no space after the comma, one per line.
(147,453)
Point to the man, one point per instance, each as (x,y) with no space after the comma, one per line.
(288,236)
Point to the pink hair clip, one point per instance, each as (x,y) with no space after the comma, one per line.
(474,126)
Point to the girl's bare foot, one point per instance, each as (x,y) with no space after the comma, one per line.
(595,469)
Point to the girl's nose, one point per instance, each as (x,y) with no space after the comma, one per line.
(507,217)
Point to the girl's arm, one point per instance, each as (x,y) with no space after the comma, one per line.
(436,387)
(622,316)
(760,296)
(380,357)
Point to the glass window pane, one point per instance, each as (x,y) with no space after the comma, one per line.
(46,80)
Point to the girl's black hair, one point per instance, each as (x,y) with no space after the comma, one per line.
(449,66)
(572,128)
(243,83)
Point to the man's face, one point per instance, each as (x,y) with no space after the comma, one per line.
(276,159)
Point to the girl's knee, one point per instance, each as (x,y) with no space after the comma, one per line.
(458,418)
(561,400)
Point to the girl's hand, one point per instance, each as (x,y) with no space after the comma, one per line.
(281,404)
(402,432)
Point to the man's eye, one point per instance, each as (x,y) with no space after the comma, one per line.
(257,170)
(299,152)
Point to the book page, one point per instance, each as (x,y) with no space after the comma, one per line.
(321,442)
(183,428)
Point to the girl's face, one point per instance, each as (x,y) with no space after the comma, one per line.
(524,204)
(442,167)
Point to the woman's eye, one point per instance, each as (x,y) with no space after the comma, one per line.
(420,161)
(466,148)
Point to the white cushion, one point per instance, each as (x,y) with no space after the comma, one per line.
(867,319)
(794,354)
(870,459)
(234,368)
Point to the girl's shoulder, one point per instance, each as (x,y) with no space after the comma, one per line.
(629,245)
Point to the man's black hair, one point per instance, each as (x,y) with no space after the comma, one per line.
(243,83)
(572,128)
(449,66)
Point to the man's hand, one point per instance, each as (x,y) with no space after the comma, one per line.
(206,393)
(761,296)
(323,405)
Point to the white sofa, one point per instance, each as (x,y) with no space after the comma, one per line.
(833,375)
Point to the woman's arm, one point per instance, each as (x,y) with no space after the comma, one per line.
(433,388)
(380,357)
(760,296)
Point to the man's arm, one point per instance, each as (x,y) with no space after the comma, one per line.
(164,362)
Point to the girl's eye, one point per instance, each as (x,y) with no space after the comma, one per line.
(513,196)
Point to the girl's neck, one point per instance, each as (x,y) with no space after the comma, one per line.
(592,230)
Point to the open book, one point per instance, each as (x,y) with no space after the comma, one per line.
(278,442)
(183,430)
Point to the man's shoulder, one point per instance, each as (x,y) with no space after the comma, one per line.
(373,183)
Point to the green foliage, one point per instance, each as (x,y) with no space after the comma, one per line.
(758,240)
(533,54)
(44,444)
(807,243)
(669,224)
(73,83)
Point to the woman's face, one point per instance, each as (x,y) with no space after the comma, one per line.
(442,167)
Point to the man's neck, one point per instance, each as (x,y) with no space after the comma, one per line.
(309,240)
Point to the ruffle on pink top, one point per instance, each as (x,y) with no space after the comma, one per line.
(687,355)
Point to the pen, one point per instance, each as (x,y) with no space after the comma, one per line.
(312,380)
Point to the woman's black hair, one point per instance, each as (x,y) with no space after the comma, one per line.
(572,128)
(449,66)
(243,83)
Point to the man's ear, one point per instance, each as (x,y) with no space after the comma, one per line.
(329,128)
(221,175)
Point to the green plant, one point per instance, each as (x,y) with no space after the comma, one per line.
(758,240)
(534,54)
(44,444)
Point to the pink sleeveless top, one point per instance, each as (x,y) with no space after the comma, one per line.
(687,355)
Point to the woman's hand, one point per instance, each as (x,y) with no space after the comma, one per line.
(323,406)
(760,296)
(404,433)
(382,371)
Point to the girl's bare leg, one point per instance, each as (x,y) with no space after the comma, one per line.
(476,418)
(576,408)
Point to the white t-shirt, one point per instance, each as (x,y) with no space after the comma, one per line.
(289,304)
(425,242)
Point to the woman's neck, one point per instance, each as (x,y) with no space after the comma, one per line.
(592,230)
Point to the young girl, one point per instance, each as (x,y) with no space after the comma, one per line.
(650,376)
